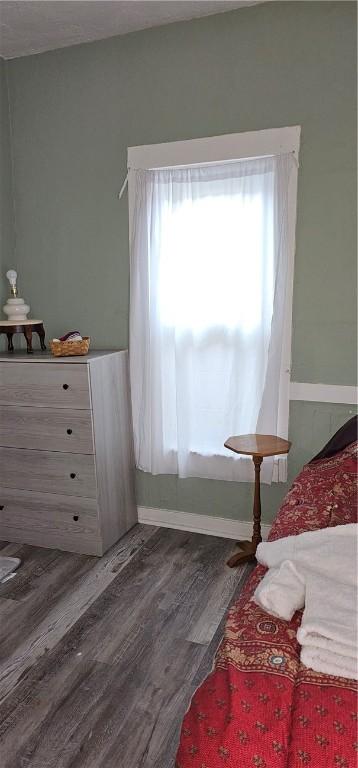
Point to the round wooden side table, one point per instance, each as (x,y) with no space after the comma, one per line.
(27,328)
(257,446)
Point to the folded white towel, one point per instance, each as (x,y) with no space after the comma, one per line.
(324,565)
(329,662)
(281,592)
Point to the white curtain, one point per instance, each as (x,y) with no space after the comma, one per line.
(208,281)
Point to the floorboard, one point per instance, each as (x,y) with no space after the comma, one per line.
(99,657)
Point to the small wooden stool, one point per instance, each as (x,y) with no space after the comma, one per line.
(27,327)
(257,446)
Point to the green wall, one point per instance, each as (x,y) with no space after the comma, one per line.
(76,110)
(6,195)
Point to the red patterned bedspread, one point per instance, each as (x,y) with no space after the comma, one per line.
(260,707)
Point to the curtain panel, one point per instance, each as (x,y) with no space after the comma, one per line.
(208,276)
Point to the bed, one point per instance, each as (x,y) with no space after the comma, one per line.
(260,708)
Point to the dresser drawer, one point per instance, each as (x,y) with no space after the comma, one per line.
(45,384)
(48,520)
(48,471)
(46,429)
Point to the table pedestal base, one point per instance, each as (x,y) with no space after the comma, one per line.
(246,555)
(248,548)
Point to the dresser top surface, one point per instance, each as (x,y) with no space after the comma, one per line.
(21,356)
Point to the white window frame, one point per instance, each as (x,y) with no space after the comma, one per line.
(228,148)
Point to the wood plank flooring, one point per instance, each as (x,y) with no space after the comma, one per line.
(99,657)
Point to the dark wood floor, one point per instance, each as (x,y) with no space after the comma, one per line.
(99,657)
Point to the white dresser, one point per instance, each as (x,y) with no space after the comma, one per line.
(66,451)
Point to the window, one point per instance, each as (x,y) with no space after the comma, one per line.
(212,240)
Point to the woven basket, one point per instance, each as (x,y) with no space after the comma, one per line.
(67,348)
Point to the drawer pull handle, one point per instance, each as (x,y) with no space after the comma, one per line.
(73,475)
(1,507)
(65,386)
(75,517)
(69,431)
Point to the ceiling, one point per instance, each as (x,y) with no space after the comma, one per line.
(33,26)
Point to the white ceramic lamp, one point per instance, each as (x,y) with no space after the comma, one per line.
(15,309)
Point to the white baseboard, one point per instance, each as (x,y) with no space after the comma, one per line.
(227,528)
